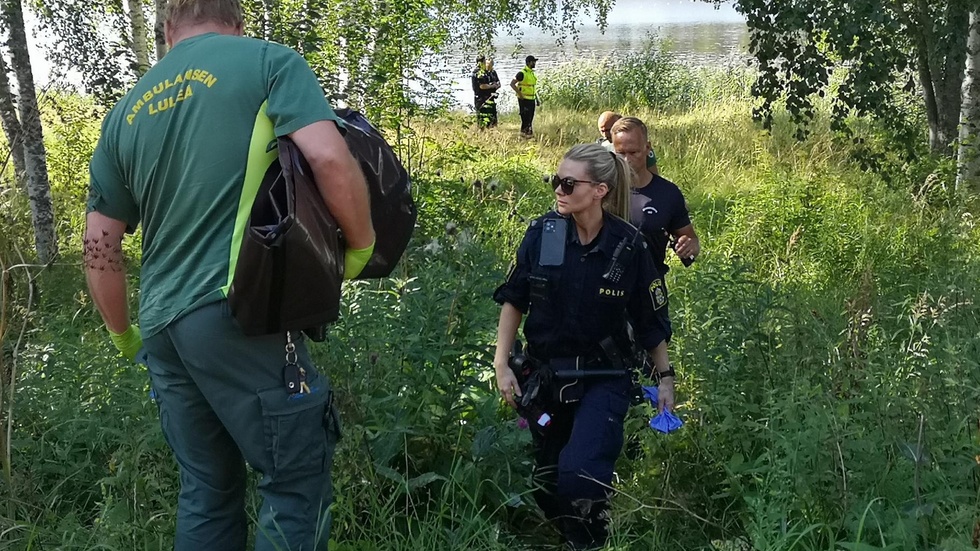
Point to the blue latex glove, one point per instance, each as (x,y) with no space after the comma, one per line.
(651,393)
(665,422)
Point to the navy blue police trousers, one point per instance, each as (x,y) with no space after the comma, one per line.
(575,457)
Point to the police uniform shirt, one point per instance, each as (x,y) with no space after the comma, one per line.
(581,307)
(659,209)
(481,76)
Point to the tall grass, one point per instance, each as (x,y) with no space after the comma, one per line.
(649,78)
(827,342)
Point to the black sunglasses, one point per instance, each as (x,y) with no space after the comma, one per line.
(568,184)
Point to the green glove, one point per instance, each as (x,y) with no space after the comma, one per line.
(356,259)
(128,342)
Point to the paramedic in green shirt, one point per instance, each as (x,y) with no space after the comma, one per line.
(182,154)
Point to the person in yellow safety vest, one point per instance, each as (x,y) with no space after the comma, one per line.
(524,85)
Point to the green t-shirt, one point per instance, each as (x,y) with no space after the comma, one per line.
(184,152)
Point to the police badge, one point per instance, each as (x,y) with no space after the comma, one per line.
(658,294)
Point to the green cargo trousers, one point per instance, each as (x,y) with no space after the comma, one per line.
(223,401)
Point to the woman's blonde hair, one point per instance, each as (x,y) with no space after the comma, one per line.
(609,168)
(223,12)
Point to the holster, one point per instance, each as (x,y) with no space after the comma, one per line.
(566,389)
(634,361)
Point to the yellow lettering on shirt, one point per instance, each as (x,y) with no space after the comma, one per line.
(156,104)
(614,293)
(185,93)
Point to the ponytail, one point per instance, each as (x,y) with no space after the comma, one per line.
(619,196)
(605,166)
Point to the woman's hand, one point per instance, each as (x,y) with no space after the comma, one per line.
(665,394)
(507,384)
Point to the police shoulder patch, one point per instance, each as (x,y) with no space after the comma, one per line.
(658,294)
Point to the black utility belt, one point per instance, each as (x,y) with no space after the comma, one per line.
(565,378)
(581,367)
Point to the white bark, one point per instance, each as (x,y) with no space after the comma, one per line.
(968,158)
(138,32)
(38,187)
(11,125)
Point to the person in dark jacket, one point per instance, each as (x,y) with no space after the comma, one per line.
(485,85)
(582,299)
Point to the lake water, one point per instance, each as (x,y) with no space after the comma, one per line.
(698,35)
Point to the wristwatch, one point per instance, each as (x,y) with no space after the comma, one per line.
(669,372)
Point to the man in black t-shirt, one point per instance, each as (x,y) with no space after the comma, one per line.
(657,207)
(485,86)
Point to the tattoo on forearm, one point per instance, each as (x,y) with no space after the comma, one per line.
(103,254)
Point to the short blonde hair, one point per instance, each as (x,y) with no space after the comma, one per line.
(222,12)
(630,124)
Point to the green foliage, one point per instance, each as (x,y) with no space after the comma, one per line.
(883,44)
(83,44)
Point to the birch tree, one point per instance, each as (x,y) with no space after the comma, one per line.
(881,44)
(138,37)
(31,135)
(11,124)
(968,157)
(158,36)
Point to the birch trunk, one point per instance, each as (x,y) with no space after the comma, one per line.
(158,34)
(32,137)
(137,28)
(968,157)
(11,125)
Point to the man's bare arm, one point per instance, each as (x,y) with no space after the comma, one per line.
(105,271)
(339,180)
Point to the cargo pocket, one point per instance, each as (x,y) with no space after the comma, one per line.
(295,434)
